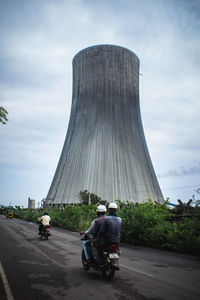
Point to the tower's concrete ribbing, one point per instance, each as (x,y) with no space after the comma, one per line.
(105,151)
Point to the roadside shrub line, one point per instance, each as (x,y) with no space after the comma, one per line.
(145,224)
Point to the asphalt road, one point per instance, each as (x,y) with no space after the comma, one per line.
(37,269)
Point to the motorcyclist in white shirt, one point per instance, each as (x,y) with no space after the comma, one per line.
(44,221)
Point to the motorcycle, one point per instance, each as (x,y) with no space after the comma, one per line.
(45,232)
(106,261)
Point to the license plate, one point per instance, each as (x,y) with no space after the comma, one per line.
(113,255)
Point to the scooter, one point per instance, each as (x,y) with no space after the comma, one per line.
(106,261)
(45,232)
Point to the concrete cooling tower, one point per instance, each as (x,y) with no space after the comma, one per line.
(105,151)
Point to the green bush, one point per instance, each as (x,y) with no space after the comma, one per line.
(142,222)
(153,225)
(184,236)
(74,218)
(146,224)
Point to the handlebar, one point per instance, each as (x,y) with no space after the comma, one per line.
(87,237)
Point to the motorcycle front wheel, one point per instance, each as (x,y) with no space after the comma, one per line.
(84,261)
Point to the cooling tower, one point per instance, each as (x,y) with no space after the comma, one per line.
(105,151)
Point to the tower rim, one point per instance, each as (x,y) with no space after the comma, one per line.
(104,46)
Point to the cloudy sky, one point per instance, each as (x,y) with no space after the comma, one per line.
(38,41)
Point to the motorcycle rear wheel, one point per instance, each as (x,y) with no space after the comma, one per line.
(108,273)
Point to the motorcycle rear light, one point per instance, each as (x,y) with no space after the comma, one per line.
(113,248)
(47,227)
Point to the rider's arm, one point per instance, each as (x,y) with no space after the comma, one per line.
(90,230)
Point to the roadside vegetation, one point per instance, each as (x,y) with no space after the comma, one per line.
(146,224)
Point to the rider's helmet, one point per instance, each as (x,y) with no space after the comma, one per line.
(112,205)
(46,213)
(101,208)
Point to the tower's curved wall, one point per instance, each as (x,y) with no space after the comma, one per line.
(105,151)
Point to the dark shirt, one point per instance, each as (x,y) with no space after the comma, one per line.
(110,229)
(95,226)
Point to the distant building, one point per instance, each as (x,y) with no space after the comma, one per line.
(31,203)
(105,150)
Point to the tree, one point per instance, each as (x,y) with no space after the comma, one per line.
(3,115)
(195,201)
(89,198)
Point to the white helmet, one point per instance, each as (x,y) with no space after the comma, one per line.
(101,208)
(112,205)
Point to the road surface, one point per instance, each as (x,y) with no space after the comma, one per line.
(37,269)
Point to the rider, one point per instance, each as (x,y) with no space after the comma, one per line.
(44,221)
(110,230)
(94,229)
